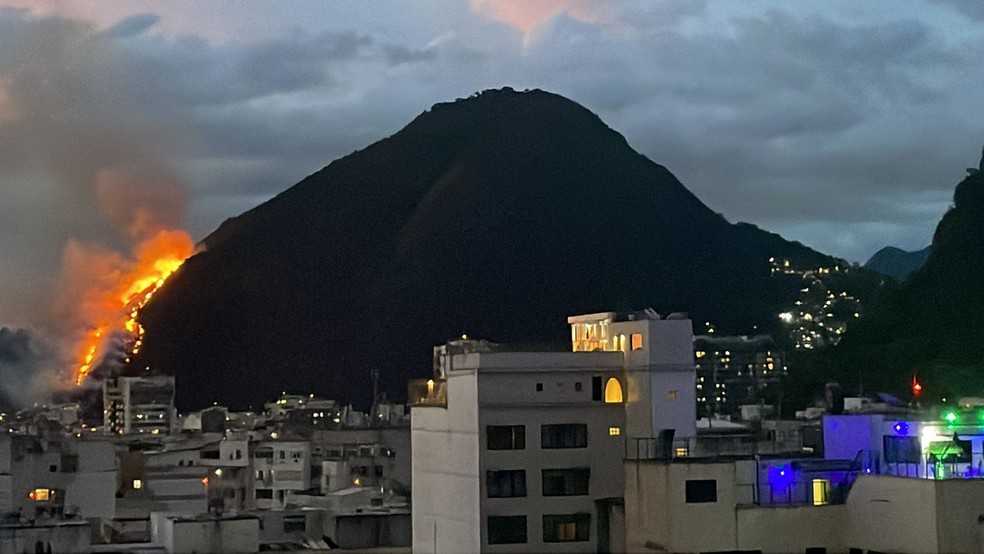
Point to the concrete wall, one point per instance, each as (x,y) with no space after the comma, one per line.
(373,530)
(892,514)
(783,529)
(187,536)
(72,537)
(657,515)
(445,480)
(960,505)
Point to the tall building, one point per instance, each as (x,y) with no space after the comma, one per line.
(522,451)
(138,405)
(734,371)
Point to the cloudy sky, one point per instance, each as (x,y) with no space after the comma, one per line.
(841,124)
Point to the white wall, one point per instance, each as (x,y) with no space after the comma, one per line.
(892,514)
(445,474)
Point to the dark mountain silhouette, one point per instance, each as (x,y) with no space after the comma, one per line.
(930,324)
(497,216)
(896,262)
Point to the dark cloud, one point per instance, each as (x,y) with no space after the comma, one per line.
(26,362)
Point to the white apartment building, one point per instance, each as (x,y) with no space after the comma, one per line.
(281,466)
(522,451)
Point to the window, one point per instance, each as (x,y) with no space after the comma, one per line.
(905,450)
(507,529)
(283,454)
(539,387)
(613,391)
(614,431)
(636,341)
(69,463)
(506,437)
(701,490)
(264,494)
(294,523)
(596,388)
(564,435)
(137,484)
(566,482)
(577,386)
(682,451)
(259,474)
(821,492)
(210,454)
(566,527)
(505,483)
(264,454)
(378,470)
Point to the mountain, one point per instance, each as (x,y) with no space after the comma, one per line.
(497,216)
(896,262)
(929,325)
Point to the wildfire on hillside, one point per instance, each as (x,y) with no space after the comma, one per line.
(115,308)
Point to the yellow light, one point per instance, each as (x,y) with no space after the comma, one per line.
(274,435)
(614,431)
(701,353)
(40,495)
(357,482)
(682,451)
(137,484)
(820,487)
(613,391)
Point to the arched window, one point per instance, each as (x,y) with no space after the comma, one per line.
(613,391)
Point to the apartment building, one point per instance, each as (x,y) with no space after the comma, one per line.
(517,451)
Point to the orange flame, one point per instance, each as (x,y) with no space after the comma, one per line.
(156,259)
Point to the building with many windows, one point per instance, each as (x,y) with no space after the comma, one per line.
(734,371)
(139,405)
(522,451)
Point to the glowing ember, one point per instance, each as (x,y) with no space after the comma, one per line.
(157,259)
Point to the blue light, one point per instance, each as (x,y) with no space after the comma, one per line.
(781,476)
(901,428)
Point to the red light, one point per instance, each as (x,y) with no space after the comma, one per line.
(205,481)
(916,387)
(32,495)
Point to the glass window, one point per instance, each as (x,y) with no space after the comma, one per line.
(821,492)
(613,391)
(507,529)
(294,523)
(566,527)
(636,341)
(506,437)
(566,482)
(564,435)
(264,494)
(505,483)
(701,490)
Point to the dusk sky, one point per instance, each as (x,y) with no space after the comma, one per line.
(841,124)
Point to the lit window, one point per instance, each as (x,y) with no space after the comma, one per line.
(671,394)
(613,391)
(682,452)
(40,495)
(614,431)
(137,484)
(636,341)
(701,353)
(821,488)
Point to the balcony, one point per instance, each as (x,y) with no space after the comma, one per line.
(429,393)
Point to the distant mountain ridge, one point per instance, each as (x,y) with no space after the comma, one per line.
(896,262)
(498,216)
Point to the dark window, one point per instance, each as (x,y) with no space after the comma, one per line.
(506,437)
(701,490)
(566,482)
(52,468)
(539,387)
(507,529)
(210,454)
(283,454)
(69,463)
(379,471)
(564,435)
(505,483)
(262,494)
(567,528)
(294,523)
(596,388)
(577,386)
(264,454)
(902,450)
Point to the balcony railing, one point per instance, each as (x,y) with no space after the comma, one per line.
(432,393)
